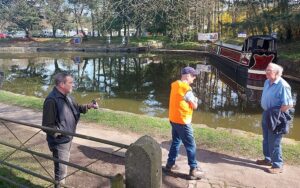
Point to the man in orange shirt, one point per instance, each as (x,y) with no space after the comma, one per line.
(181,106)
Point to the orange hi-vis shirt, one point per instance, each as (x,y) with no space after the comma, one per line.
(180,111)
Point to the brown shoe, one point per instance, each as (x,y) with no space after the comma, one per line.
(264,162)
(274,170)
(172,168)
(196,174)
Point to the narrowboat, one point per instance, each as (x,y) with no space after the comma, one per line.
(251,59)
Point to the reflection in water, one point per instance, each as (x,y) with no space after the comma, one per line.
(1,78)
(141,84)
(219,90)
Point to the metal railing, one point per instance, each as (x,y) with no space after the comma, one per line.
(115,180)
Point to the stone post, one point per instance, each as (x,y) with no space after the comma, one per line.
(143,164)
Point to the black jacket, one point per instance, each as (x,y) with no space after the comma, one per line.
(62,113)
(278,121)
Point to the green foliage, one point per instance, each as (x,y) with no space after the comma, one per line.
(22,13)
(159,25)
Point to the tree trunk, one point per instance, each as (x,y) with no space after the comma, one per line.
(208,29)
(93,24)
(54,32)
(289,33)
(125,28)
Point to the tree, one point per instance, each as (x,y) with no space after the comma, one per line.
(23,13)
(56,13)
(79,8)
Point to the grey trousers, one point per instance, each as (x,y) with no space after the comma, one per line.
(62,152)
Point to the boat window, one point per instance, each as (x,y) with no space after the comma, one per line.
(259,44)
(250,45)
(271,46)
(266,45)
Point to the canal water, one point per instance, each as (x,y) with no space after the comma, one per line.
(140,83)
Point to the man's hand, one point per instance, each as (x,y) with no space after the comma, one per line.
(284,108)
(56,135)
(93,104)
(194,103)
(195,100)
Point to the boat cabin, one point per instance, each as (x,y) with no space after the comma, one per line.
(260,43)
(252,58)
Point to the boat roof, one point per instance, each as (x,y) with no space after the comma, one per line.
(232,46)
(264,37)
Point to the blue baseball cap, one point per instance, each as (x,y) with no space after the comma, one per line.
(189,70)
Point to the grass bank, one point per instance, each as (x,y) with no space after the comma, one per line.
(223,141)
(289,51)
(103,41)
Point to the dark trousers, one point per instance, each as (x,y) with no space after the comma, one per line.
(62,152)
(182,134)
(271,144)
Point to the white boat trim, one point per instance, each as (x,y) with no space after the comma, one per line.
(254,87)
(252,71)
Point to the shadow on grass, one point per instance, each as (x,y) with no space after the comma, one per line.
(12,177)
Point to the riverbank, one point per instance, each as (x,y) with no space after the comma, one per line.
(288,58)
(227,141)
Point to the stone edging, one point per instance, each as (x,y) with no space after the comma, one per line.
(82,49)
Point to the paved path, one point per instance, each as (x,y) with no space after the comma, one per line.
(221,170)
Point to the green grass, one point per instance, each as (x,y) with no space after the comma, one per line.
(21,178)
(21,100)
(14,176)
(183,45)
(289,51)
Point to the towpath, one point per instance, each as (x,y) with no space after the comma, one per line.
(220,170)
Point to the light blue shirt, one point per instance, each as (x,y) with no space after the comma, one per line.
(276,95)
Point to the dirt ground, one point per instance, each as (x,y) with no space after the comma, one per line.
(220,170)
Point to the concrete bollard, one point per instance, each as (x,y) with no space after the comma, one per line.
(143,164)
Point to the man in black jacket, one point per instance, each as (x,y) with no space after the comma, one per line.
(62,113)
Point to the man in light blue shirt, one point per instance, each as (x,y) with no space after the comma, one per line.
(276,93)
